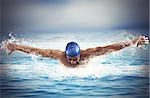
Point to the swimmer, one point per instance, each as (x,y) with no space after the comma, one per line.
(73,56)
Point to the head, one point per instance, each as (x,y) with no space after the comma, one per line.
(73,53)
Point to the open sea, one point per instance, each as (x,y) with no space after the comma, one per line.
(122,74)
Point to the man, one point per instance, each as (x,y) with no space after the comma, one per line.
(73,56)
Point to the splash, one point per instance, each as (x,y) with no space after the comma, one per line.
(94,69)
(14,40)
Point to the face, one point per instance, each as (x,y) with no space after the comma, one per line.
(73,60)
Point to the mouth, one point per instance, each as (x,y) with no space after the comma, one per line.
(73,62)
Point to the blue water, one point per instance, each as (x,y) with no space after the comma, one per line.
(123,74)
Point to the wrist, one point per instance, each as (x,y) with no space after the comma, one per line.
(134,41)
(16,47)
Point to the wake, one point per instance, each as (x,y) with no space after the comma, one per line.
(93,69)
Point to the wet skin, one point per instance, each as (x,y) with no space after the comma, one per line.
(85,55)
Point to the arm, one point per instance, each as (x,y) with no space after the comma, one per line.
(56,54)
(140,41)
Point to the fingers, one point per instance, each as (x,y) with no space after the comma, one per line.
(147,41)
(143,39)
(10,52)
(138,44)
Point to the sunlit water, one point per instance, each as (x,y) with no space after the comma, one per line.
(123,74)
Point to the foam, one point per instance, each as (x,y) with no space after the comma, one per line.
(94,69)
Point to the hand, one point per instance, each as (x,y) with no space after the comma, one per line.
(141,41)
(11,47)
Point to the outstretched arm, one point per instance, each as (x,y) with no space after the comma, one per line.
(140,41)
(56,54)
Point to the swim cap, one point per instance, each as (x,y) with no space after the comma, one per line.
(72,49)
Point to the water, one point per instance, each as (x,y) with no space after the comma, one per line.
(123,74)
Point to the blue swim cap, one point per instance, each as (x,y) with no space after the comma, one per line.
(72,49)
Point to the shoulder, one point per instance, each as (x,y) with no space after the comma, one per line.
(91,50)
